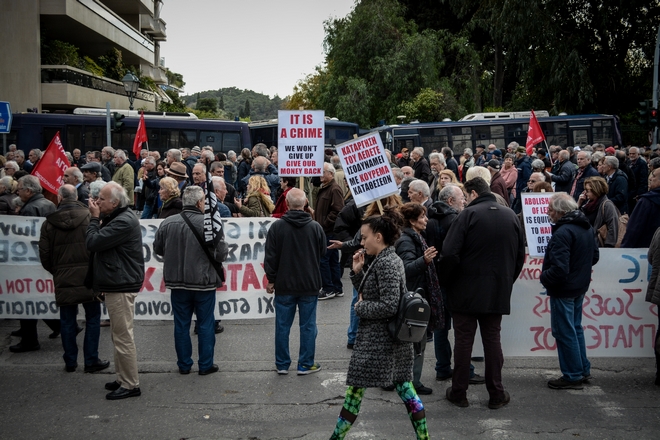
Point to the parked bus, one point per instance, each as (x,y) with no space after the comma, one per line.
(574,130)
(165,131)
(336,132)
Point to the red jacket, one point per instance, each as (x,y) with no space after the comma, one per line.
(281,207)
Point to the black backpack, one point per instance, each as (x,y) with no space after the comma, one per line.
(411,319)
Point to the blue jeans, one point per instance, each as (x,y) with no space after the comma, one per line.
(355,320)
(184,302)
(566,322)
(330,269)
(285,312)
(148,211)
(68,331)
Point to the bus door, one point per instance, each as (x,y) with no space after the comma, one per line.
(579,132)
(405,138)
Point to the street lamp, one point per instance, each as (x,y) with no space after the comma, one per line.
(131,84)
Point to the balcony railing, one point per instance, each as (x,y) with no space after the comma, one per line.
(71,75)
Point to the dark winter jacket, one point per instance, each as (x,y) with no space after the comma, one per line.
(409,249)
(64,254)
(37,206)
(116,247)
(498,186)
(440,216)
(452,165)
(348,221)
(570,254)
(83,193)
(644,220)
(477,267)
(422,170)
(171,207)
(640,170)
(653,290)
(292,255)
(562,175)
(329,202)
(618,192)
(589,171)
(185,265)
(242,170)
(7,204)
(524,167)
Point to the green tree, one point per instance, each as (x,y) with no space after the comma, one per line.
(221,103)
(207,105)
(177,104)
(431,105)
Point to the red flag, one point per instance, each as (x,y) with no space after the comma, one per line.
(50,168)
(140,136)
(534,134)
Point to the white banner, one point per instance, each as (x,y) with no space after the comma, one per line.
(26,289)
(537,223)
(617,320)
(300,142)
(366,168)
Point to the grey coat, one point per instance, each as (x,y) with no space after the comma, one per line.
(377,360)
(653,291)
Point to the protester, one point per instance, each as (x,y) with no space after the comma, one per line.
(420,271)
(295,285)
(653,293)
(510,175)
(170,195)
(584,170)
(404,160)
(445,177)
(73,176)
(600,211)
(150,180)
(258,202)
(243,169)
(124,174)
(7,196)
(562,172)
(377,360)
(645,219)
(281,207)
(617,182)
(34,205)
(480,296)
(117,263)
(566,275)
(192,279)
(63,253)
(524,168)
(497,183)
(420,165)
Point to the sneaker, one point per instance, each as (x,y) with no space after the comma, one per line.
(350,345)
(587,378)
(339,294)
(497,404)
(302,370)
(423,391)
(282,372)
(563,384)
(326,295)
(461,403)
(477,380)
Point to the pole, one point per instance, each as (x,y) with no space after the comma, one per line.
(656,62)
(380,206)
(4,144)
(108,136)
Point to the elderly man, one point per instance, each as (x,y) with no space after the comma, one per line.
(78,159)
(92,171)
(96,157)
(295,285)
(220,189)
(261,167)
(329,203)
(218,169)
(408,172)
(63,253)
(617,182)
(192,279)
(524,167)
(640,170)
(7,196)
(199,174)
(645,218)
(124,174)
(480,296)
(118,274)
(73,176)
(437,164)
(173,156)
(584,170)
(34,156)
(150,188)
(22,163)
(419,192)
(450,161)
(34,205)
(107,159)
(421,165)
(566,275)
(10,168)
(562,171)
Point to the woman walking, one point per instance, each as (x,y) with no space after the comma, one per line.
(377,359)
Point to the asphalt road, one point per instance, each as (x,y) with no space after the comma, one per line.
(248,400)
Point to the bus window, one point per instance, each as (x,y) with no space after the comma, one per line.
(231,141)
(95,138)
(211,138)
(74,138)
(602,132)
(461,139)
(433,139)
(580,137)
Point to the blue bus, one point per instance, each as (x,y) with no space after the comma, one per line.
(569,130)
(165,131)
(336,132)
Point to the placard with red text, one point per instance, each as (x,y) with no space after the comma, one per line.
(300,142)
(537,222)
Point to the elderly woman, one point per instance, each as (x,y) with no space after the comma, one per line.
(171,196)
(378,360)
(258,202)
(7,197)
(510,175)
(600,211)
(243,169)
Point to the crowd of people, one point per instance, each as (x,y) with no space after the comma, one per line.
(435,234)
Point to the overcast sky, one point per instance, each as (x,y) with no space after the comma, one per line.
(260,45)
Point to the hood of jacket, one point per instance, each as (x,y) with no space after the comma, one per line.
(440,210)
(653,196)
(297,218)
(69,215)
(576,217)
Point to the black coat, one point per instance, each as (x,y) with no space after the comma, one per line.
(453,166)
(422,170)
(348,221)
(589,171)
(562,175)
(618,192)
(38,206)
(570,254)
(644,220)
(641,172)
(477,266)
(172,206)
(409,249)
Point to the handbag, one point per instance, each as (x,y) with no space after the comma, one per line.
(216,265)
(623,224)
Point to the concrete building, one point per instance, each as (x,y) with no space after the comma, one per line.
(94,27)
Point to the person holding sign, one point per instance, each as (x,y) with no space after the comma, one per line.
(566,275)
(378,360)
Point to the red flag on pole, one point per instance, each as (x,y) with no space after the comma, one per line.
(140,137)
(50,168)
(534,134)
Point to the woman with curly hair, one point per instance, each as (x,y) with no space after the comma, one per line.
(377,359)
(257,202)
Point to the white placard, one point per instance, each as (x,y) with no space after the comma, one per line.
(537,223)
(300,142)
(367,169)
